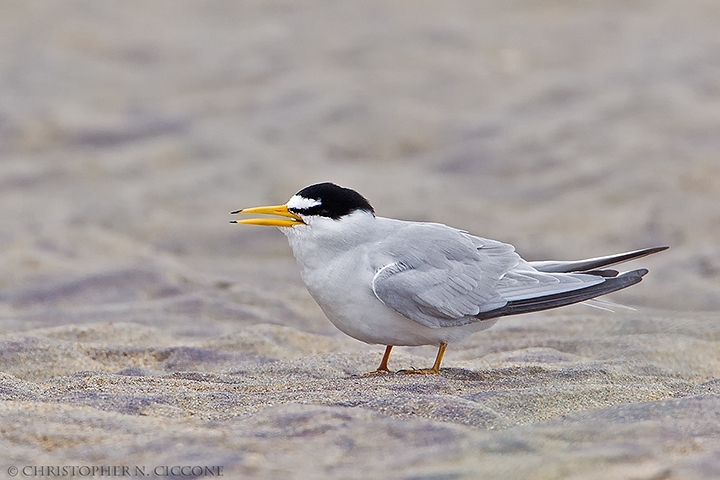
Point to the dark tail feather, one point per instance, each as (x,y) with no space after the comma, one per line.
(593,263)
(612,284)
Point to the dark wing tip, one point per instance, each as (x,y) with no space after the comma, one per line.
(536,304)
(607,272)
(640,272)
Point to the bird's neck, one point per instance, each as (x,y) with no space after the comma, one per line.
(323,239)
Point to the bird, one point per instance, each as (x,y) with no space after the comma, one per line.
(402,283)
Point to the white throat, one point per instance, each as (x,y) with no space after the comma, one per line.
(322,239)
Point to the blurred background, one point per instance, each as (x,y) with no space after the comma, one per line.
(129,130)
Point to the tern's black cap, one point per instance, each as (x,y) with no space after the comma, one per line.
(334,201)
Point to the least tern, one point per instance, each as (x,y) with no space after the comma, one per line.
(394,282)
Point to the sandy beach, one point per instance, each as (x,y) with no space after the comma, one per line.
(139,329)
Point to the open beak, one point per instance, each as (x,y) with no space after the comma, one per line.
(290,219)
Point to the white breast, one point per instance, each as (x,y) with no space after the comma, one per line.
(338,262)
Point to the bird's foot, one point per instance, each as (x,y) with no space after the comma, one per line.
(383,368)
(421,371)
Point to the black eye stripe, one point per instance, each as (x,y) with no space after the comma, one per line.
(316,210)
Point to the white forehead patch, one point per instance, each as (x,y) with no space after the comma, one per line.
(301,203)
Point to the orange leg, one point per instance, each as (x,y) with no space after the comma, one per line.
(435,369)
(383,368)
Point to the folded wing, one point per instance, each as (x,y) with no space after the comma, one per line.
(443,277)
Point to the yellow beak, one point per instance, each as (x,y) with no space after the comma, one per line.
(281,210)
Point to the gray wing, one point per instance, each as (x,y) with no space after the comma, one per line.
(440,277)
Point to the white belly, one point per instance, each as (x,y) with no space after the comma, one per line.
(344,293)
